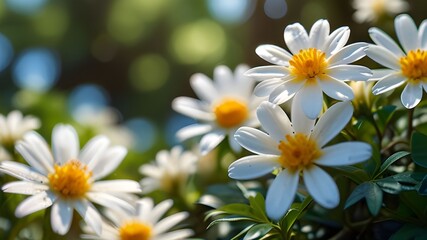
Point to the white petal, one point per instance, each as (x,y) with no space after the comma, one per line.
(350,72)
(381,38)
(90,215)
(274,54)
(203,87)
(65,143)
(60,217)
(267,72)
(144,208)
(210,141)
(34,203)
(23,187)
(93,149)
(256,141)
(422,34)
(348,54)
(337,89)
(175,235)
(406,32)
(169,222)
(388,83)
(336,40)
(251,167)
(129,186)
(193,130)
(22,172)
(234,145)
(160,209)
(265,87)
(149,184)
(296,37)
(311,100)
(192,108)
(319,33)
(108,162)
(332,122)
(411,95)
(285,91)
(37,151)
(223,78)
(378,74)
(301,123)
(281,194)
(321,187)
(383,56)
(345,153)
(274,121)
(109,201)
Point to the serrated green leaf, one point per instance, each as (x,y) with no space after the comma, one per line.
(374,198)
(390,160)
(418,149)
(358,193)
(258,231)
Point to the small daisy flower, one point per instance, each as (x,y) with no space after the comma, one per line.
(318,63)
(67,179)
(372,10)
(143,224)
(407,67)
(296,150)
(225,104)
(170,171)
(14,126)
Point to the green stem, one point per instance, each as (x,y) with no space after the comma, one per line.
(410,123)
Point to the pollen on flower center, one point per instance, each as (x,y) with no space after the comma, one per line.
(298,152)
(72,180)
(135,230)
(230,113)
(414,65)
(308,63)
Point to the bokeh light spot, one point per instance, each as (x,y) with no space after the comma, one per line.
(25,6)
(52,22)
(202,40)
(144,133)
(87,97)
(6,52)
(231,11)
(149,72)
(36,69)
(175,123)
(275,9)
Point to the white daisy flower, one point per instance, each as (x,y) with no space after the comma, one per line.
(67,179)
(297,149)
(143,224)
(407,67)
(372,10)
(225,104)
(170,171)
(318,63)
(15,125)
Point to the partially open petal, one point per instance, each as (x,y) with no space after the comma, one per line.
(251,167)
(35,203)
(388,83)
(345,153)
(332,122)
(381,38)
(61,216)
(281,194)
(274,54)
(274,121)
(407,32)
(296,37)
(256,141)
(411,95)
(321,187)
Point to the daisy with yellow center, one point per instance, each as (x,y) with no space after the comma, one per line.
(297,149)
(372,10)
(407,67)
(317,63)
(225,104)
(144,223)
(66,179)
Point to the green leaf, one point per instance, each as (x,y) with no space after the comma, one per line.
(390,160)
(354,173)
(239,209)
(374,198)
(389,185)
(228,219)
(241,233)
(418,149)
(384,115)
(296,210)
(358,193)
(409,231)
(258,231)
(257,203)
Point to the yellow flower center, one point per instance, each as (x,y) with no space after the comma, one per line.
(298,152)
(414,65)
(230,113)
(308,64)
(135,230)
(72,180)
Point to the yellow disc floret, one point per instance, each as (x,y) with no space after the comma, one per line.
(308,64)
(298,152)
(414,65)
(135,230)
(72,180)
(230,113)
